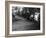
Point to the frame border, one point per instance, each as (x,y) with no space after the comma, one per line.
(7,19)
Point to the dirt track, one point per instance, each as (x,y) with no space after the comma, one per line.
(23,24)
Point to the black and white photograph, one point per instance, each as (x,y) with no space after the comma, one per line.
(25,18)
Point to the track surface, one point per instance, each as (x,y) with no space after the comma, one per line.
(21,24)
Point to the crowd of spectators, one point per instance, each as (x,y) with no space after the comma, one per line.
(26,12)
